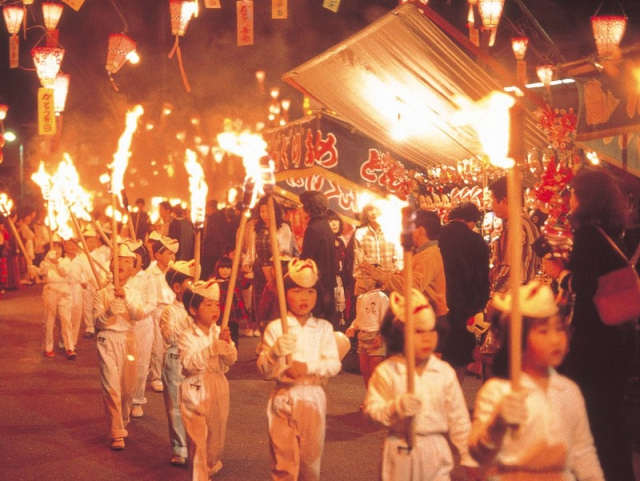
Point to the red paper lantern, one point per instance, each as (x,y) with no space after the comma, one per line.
(47,61)
(181,12)
(545,74)
(60,91)
(607,32)
(519,46)
(13,16)
(120,46)
(51,13)
(490,12)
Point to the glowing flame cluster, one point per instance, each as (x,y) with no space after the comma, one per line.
(64,195)
(252,148)
(490,118)
(197,186)
(6,204)
(121,157)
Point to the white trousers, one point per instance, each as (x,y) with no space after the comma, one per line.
(77,305)
(429,460)
(144,332)
(172,378)
(157,350)
(296,416)
(204,405)
(56,299)
(87,309)
(116,352)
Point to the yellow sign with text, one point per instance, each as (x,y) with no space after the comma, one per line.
(46,112)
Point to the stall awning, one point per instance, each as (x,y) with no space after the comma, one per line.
(400,76)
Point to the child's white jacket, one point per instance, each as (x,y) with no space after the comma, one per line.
(315,345)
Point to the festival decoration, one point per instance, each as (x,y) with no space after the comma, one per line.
(559,126)
(51,13)
(608,31)
(13,16)
(279,9)
(198,189)
(244,28)
(60,91)
(47,61)
(519,46)
(119,50)
(490,13)
(181,11)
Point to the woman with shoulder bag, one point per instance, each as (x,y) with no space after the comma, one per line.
(600,356)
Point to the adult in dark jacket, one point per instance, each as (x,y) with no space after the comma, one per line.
(465,255)
(600,356)
(182,230)
(319,244)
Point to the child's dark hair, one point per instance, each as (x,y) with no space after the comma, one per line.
(191,299)
(145,257)
(224,261)
(500,323)
(173,276)
(157,247)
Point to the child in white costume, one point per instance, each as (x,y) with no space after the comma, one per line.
(163,252)
(115,311)
(298,406)
(437,404)
(205,353)
(56,298)
(173,322)
(540,432)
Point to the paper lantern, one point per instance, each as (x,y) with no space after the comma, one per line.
(60,91)
(607,32)
(3,111)
(13,16)
(490,12)
(27,2)
(519,46)
(181,12)
(51,13)
(120,46)
(47,61)
(545,74)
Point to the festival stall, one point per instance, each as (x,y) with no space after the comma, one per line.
(389,93)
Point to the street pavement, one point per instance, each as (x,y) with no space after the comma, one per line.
(53,427)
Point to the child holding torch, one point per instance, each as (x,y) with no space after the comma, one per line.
(437,403)
(297,407)
(541,431)
(115,311)
(206,352)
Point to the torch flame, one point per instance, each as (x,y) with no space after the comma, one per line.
(389,219)
(197,187)
(489,117)
(6,205)
(121,157)
(43,180)
(251,147)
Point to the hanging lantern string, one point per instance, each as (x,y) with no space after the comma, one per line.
(113,82)
(183,73)
(115,6)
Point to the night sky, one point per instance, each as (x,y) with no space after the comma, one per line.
(222,75)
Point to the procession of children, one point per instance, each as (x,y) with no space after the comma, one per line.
(147,307)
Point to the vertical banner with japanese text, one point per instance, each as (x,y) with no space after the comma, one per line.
(279,9)
(244,10)
(46,112)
